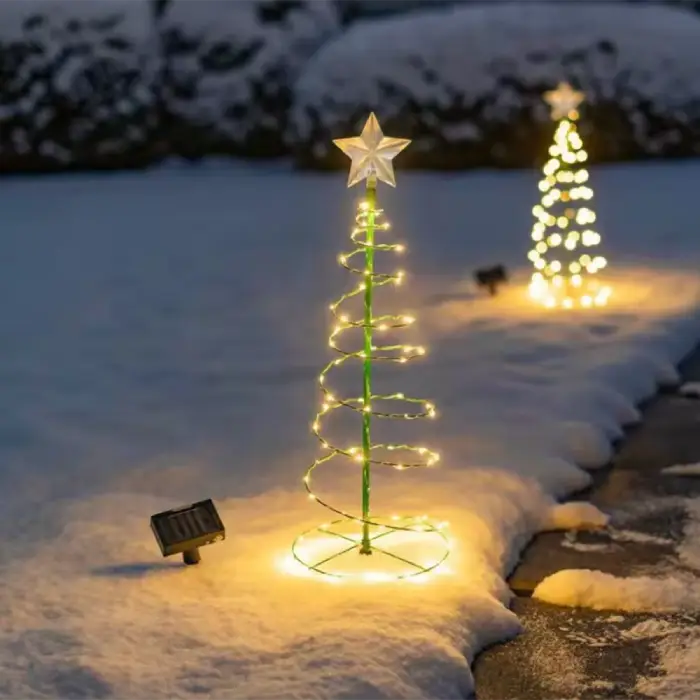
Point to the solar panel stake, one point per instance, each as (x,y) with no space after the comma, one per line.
(184,530)
(191,556)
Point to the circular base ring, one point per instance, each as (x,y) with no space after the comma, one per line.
(399,547)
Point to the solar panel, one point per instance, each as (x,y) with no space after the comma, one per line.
(183,530)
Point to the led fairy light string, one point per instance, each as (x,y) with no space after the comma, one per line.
(563,274)
(371,155)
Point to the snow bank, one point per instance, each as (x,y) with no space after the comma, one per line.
(682,470)
(575,515)
(465,82)
(690,389)
(600,591)
(76,84)
(229,67)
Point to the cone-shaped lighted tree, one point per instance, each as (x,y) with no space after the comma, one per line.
(403,546)
(565,243)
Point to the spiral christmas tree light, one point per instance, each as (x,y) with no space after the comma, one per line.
(564,242)
(341,548)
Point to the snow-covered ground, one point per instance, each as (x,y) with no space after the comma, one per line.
(162,334)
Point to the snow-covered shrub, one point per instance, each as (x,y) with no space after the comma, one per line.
(76,84)
(466,82)
(353,10)
(228,70)
(356,9)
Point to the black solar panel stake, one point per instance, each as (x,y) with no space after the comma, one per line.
(491,278)
(184,530)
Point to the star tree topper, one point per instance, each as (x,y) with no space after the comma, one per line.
(563,100)
(371,153)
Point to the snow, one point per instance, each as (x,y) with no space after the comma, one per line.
(162,335)
(600,591)
(368,8)
(691,389)
(678,592)
(94,60)
(682,470)
(676,643)
(230,65)
(575,515)
(457,76)
(689,548)
(133,16)
(678,669)
(638,537)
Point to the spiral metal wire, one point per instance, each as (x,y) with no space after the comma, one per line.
(362,532)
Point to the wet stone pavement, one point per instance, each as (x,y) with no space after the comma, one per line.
(581,653)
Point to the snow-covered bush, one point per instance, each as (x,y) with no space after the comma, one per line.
(76,84)
(228,70)
(353,10)
(466,82)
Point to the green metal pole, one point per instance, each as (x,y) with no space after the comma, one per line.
(367,365)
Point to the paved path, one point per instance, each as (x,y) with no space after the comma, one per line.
(574,652)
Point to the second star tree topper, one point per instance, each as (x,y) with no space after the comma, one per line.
(371,153)
(563,101)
